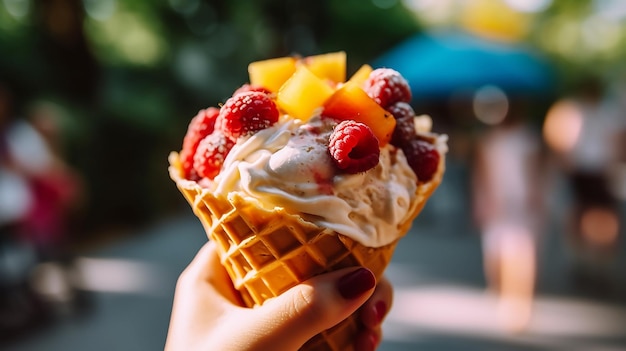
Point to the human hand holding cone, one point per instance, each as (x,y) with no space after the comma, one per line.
(267,247)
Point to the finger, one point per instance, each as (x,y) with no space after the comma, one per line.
(307,309)
(202,265)
(206,268)
(377,306)
(192,294)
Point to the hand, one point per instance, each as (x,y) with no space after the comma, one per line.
(207,312)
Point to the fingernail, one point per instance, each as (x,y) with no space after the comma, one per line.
(367,342)
(380,310)
(355,283)
(373,338)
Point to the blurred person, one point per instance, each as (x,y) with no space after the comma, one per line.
(207,312)
(20,308)
(56,190)
(36,190)
(52,184)
(584,133)
(507,205)
(15,195)
(56,186)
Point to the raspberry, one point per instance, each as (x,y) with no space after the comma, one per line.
(353,147)
(422,157)
(401,110)
(200,126)
(404,132)
(211,154)
(387,86)
(405,125)
(247,113)
(249,87)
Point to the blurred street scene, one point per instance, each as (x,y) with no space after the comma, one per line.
(523,246)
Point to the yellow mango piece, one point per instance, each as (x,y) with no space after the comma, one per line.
(271,73)
(302,93)
(360,76)
(330,66)
(352,102)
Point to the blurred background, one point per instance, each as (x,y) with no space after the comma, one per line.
(521,248)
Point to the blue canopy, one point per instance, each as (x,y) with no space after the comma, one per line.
(438,64)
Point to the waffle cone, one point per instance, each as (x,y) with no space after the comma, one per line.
(266,252)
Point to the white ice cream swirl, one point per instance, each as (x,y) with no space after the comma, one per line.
(288,165)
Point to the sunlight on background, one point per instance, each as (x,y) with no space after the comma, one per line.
(124,36)
(105,275)
(574,33)
(17,8)
(495,19)
(491,105)
(100,10)
(462,310)
(562,127)
(529,5)
(116,275)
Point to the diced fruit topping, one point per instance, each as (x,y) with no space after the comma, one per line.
(271,73)
(368,111)
(351,102)
(211,154)
(353,147)
(423,158)
(249,87)
(199,127)
(303,93)
(331,66)
(387,86)
(360,76)
(247,113)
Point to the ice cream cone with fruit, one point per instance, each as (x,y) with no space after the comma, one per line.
(302,172)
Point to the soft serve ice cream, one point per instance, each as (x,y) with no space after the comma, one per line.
(288,165)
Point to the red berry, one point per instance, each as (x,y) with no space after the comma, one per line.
(200,126)
(387,86)
(249,87)
(353,147)
(247,113)
(423,158)
(404,132)
(401,110)
(211,153)
(405,126)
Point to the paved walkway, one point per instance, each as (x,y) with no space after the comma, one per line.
(440,298)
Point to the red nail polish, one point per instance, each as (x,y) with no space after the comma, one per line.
(373,338)
(355,283)
(380,310)
(367,341)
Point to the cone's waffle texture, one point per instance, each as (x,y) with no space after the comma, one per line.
(267,252)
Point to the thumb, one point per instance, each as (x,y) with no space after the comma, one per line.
(317,304)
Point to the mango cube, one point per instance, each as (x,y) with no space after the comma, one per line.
(352,102)
(271,73)
(360,76)
(331,66)
(302,93)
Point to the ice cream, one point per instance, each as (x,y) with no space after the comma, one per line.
(288,165)
(301,172)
